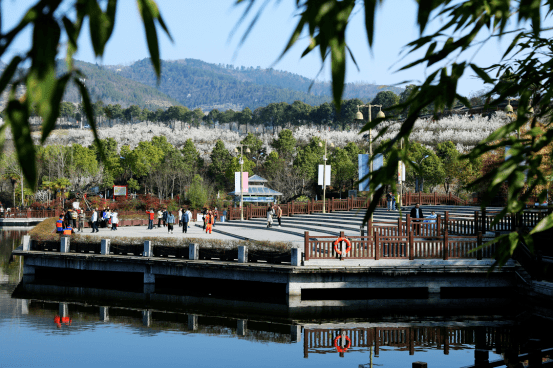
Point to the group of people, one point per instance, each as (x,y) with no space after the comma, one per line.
(210,218)
(104,218)
(70,220)
(272,211)
(168,219)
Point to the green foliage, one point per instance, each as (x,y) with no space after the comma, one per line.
(197,193)
(285,144)
(234,166)
(220,160)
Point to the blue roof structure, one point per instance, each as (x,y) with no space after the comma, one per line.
(259,191)
(256,178)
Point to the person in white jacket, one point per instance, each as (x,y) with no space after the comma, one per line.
(94,220)
(114,220)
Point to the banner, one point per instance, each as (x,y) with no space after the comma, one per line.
(327,175)
(364,168)
(237,182)
(119,190)
(401,171)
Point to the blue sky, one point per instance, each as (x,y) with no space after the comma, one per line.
(201,30)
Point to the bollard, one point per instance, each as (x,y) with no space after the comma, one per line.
(64,244)
(419,364)
(26,243)
(146,318)
(105,246)
(148,248)
(63,309)
(193,251)
(242,254)
(295,333)
(296,257)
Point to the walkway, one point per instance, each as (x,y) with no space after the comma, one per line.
(292,229)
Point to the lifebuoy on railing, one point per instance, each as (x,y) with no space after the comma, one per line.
(339,348)
(348,242)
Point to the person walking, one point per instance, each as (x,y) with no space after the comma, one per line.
(81,220)
(170,222)
(179,215)
(416,214)
(165,217)
(279,215)
(389,200)
(270,213)
(184,220)
(74,216)
(209,222)
(114,220)
(151,216)
(204,212)
(159,218)
(94,220)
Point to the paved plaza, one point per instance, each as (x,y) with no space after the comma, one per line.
(293,228)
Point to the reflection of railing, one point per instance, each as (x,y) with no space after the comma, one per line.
(405,338)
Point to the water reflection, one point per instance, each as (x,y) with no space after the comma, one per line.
(275,333)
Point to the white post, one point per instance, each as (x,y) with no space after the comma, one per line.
(64,244)
(105,247)
(148,249)
(193,251)
(242,254)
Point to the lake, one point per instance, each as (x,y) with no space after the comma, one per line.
(63,322)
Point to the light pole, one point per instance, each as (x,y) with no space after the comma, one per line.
(418,183)
(241,185)
(359,116)
(324,174)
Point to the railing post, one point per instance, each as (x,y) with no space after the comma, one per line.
(376,246)
(411,246)
(399,230)
(439,225)
(420,198)
(292,211)
(484,225)
(475,227)
(369,227)
(435,198)
(408,223)
(446,246)
(446,222)
(306,245)
(479,243)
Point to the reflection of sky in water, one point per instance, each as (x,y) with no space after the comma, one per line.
(34,340)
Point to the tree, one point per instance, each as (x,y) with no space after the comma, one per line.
(343,169)
(220,160)
(448,154)
(285,144)
(197,193)
(323,114)
(67,109)
(427,167)
(244,117)
(256,147)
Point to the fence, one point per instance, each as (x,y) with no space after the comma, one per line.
(294,207)
(377,246)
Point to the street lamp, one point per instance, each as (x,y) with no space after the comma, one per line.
(324,175)
(359,116)
(418,184)
(241,185)
(509,108)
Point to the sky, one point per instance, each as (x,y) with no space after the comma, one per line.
(211,31)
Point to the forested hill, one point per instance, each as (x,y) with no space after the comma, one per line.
(195,83)
(110,87)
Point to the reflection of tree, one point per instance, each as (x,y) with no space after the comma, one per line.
(10,240)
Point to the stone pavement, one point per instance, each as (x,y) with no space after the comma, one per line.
(292,229)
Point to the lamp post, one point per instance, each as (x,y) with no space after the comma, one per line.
(241,185)
(359,116)
(324,174)
(419,182)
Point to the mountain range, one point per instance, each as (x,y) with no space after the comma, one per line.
(196,84)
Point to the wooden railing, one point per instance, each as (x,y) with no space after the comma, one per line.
(412,246)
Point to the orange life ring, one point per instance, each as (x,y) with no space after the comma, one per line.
(348,242)
(346,347)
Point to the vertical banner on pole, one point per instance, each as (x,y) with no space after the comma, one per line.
(363,163)
(364,168)
(237,182)
(401,172)
(327,175)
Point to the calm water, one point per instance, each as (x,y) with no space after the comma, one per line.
(59,323)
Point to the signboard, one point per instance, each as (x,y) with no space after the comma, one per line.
(237,182)
(119,190)
(259,199)
(327,175)
(75,205)
(364,169)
